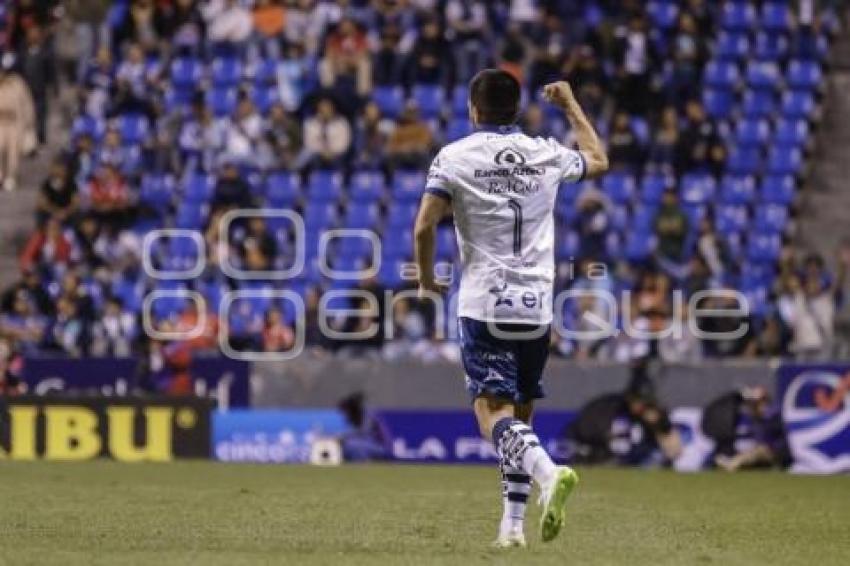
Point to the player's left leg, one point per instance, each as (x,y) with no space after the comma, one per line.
(516,487)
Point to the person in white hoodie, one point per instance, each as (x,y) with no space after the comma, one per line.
(229,21)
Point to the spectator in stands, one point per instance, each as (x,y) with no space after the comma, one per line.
(327,137)
(550,46)
(624,148)
(771,341)
(96,84)
(681,345)
(367,438)
(662,153)
(373,131)
(182,22)
(635,58)
(269,23)
(728,334)
(231,190)
(11,367)
(257,248)
(114,332)
(512,53)
(535,123)
(113,151)
(347,66)
(58,195)
(108,196)
(17,122)
(593,224)
(388,60)
(229,21)
(467,27)
(671,228)
(133,70)
(140,25)
(277,336)
(39,72)
(243,132)
(410,143)
(282,133)
(699,145)
(713,249)
(584,71)
(294,76)
(23,325)
(48,248)
(689,53)
(430,62)
(33,286)
(90,29)
(118,249)
(810,313)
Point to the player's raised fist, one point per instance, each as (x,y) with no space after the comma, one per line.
(559,93)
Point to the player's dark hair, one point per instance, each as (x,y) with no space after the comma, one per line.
(495,95)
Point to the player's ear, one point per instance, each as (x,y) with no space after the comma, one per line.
(473,112)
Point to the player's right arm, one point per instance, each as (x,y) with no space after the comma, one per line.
(596,160)
(433,209)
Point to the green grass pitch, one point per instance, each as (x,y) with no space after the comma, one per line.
(206,513)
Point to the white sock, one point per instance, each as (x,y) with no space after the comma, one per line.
(516,485)
(517,443)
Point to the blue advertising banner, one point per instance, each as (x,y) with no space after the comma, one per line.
(453,437)
(815,402)
(272,436)
(221,379)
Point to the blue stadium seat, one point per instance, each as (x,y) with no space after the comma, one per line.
(643,218)
(320,215)
(458,128)
(264,72)
(157,191)
(744,161)
(639,246)
(697,188)
(88,125)
(130,291)
(663,14)
(390,99)
(737,190)
(367,186)
(778,189)
(134,128)
(168,306)
(695,214)
(731,219)
(186,72)
(390,274)
(401,214)
(198,187)
(429,100)
(718,103)
(282,189)
(771,218)
(721,75)
(460,100)
(446,249)
(264,97)
(732,46)
(804,75)
(408,186)
(226,72)
(758,104)
(763,248)
(400,246)
(222,101)
(798,105)
(652,187)
(738,16)
(324,186)
(191,215)
(362,215)
(771,46)
(776,16)
(763,75)
(620,187)
(784,161)
(619,217)
(792,133)
(751,132)
(568,246)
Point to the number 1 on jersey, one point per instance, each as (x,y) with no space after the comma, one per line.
(517,210)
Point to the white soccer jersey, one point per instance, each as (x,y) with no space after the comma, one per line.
(503,184)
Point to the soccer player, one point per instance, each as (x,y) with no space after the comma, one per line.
(501,186)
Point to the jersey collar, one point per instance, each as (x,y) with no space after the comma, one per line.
(498,129)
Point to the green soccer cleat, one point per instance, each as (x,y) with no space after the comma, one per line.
(554,499)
